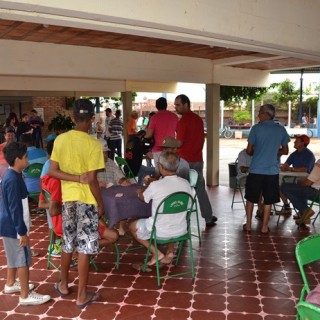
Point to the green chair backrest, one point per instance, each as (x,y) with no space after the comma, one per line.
(307,251)
(175,203)
(124,167)
(33,170)
(308,311)
(46,194)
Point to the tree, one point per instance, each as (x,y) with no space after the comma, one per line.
(239,94)
(241,116)
(285,92)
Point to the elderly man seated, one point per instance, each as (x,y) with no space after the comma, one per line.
(169,225)
(299,194)
(111,174)
(301,160)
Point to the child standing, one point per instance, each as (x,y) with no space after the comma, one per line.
(15,226)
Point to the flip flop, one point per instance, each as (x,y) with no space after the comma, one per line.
(150,264)
(58,291)
(168,258)
(93,297)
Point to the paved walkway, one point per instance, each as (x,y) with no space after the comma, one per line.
(230,148)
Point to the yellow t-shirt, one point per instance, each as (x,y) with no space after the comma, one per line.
(77,153)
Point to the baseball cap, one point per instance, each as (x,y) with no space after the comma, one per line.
(10,129)
(50,137)
(170,142)
(304,138)
(83,106)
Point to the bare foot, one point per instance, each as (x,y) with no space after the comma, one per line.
(168,258)
(246,228)
(152,262)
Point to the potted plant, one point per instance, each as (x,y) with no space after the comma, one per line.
(61,123)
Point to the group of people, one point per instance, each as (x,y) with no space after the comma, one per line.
(259,165)
(28,125)
(78,167)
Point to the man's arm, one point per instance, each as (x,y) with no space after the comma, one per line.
(95,190)
(55,172)
(54,208)
(149,133)
(250,149)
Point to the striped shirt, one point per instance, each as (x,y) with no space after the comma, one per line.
(116,126)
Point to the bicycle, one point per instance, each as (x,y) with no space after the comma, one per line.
(226,132)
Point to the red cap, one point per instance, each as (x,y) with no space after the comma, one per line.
(304,138)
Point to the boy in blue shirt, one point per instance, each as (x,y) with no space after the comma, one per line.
(15,226)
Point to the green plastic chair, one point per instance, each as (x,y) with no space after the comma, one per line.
(125,168)
(34,171)
(307,252)
(178,202)
(315,201)
(308,311)
(193,180)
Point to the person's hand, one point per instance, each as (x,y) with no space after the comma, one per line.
(284,167)
(100,211)
(148,179)
(24,241)
(84,178)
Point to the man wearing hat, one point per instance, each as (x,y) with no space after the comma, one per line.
(301,160)
(76,154)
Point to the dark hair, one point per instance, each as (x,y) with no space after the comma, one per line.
(118,112)
(108,109)
(152,113)
(34,111)
(50,147)
(26,139)
(14,150)
(24,115)
(161,103)
(184,99)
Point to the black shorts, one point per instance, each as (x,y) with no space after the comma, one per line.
(268,185)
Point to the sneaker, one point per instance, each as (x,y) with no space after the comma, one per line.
(34,253)
(212,222)
(16,287)
(34,299)
(259,215)
(55,250)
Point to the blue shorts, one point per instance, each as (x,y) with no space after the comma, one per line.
(80,227)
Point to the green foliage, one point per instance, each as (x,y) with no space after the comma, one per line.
(285,92)
(60,123)
(239,94)
(241,116)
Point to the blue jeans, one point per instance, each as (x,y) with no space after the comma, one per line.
(298,195)
(204,202)
(115,147)
(144,171)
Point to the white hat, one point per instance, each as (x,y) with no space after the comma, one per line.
(104,145)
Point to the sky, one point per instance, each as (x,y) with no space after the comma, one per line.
(196,92)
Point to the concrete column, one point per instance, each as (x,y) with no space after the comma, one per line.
(212,114)
(127,108)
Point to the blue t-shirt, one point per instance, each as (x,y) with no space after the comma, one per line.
(304,158)
(267,137)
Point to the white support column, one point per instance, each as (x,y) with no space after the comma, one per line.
(212,114)
(289,114)
(127,108)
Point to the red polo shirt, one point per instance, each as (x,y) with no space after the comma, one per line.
(190,131)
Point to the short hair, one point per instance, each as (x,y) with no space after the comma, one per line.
(14,150)
(83,110)
(26,139)
(50,147)
(161,103)
(169,160)
(24,115)
(118,112)
(108,109)
(269,109)
(34,111)
(184,99)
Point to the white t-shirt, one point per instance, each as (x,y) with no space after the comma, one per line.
(172,225)
(314,175)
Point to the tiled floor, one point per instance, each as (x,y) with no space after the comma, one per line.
(238,276)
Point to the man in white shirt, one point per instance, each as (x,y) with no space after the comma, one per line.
(168,226)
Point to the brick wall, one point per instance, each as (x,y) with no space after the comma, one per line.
(50,105)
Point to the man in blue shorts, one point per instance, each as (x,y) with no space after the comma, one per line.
(267,141)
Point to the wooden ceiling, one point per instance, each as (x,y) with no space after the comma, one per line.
(25,31)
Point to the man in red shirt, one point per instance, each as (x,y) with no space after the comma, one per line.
(190,134)
(163,124)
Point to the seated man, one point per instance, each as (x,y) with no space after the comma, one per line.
(301,160)
(168,144)
(299,194)
(168,226)
(111,175)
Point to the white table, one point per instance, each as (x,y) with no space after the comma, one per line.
(296,175)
